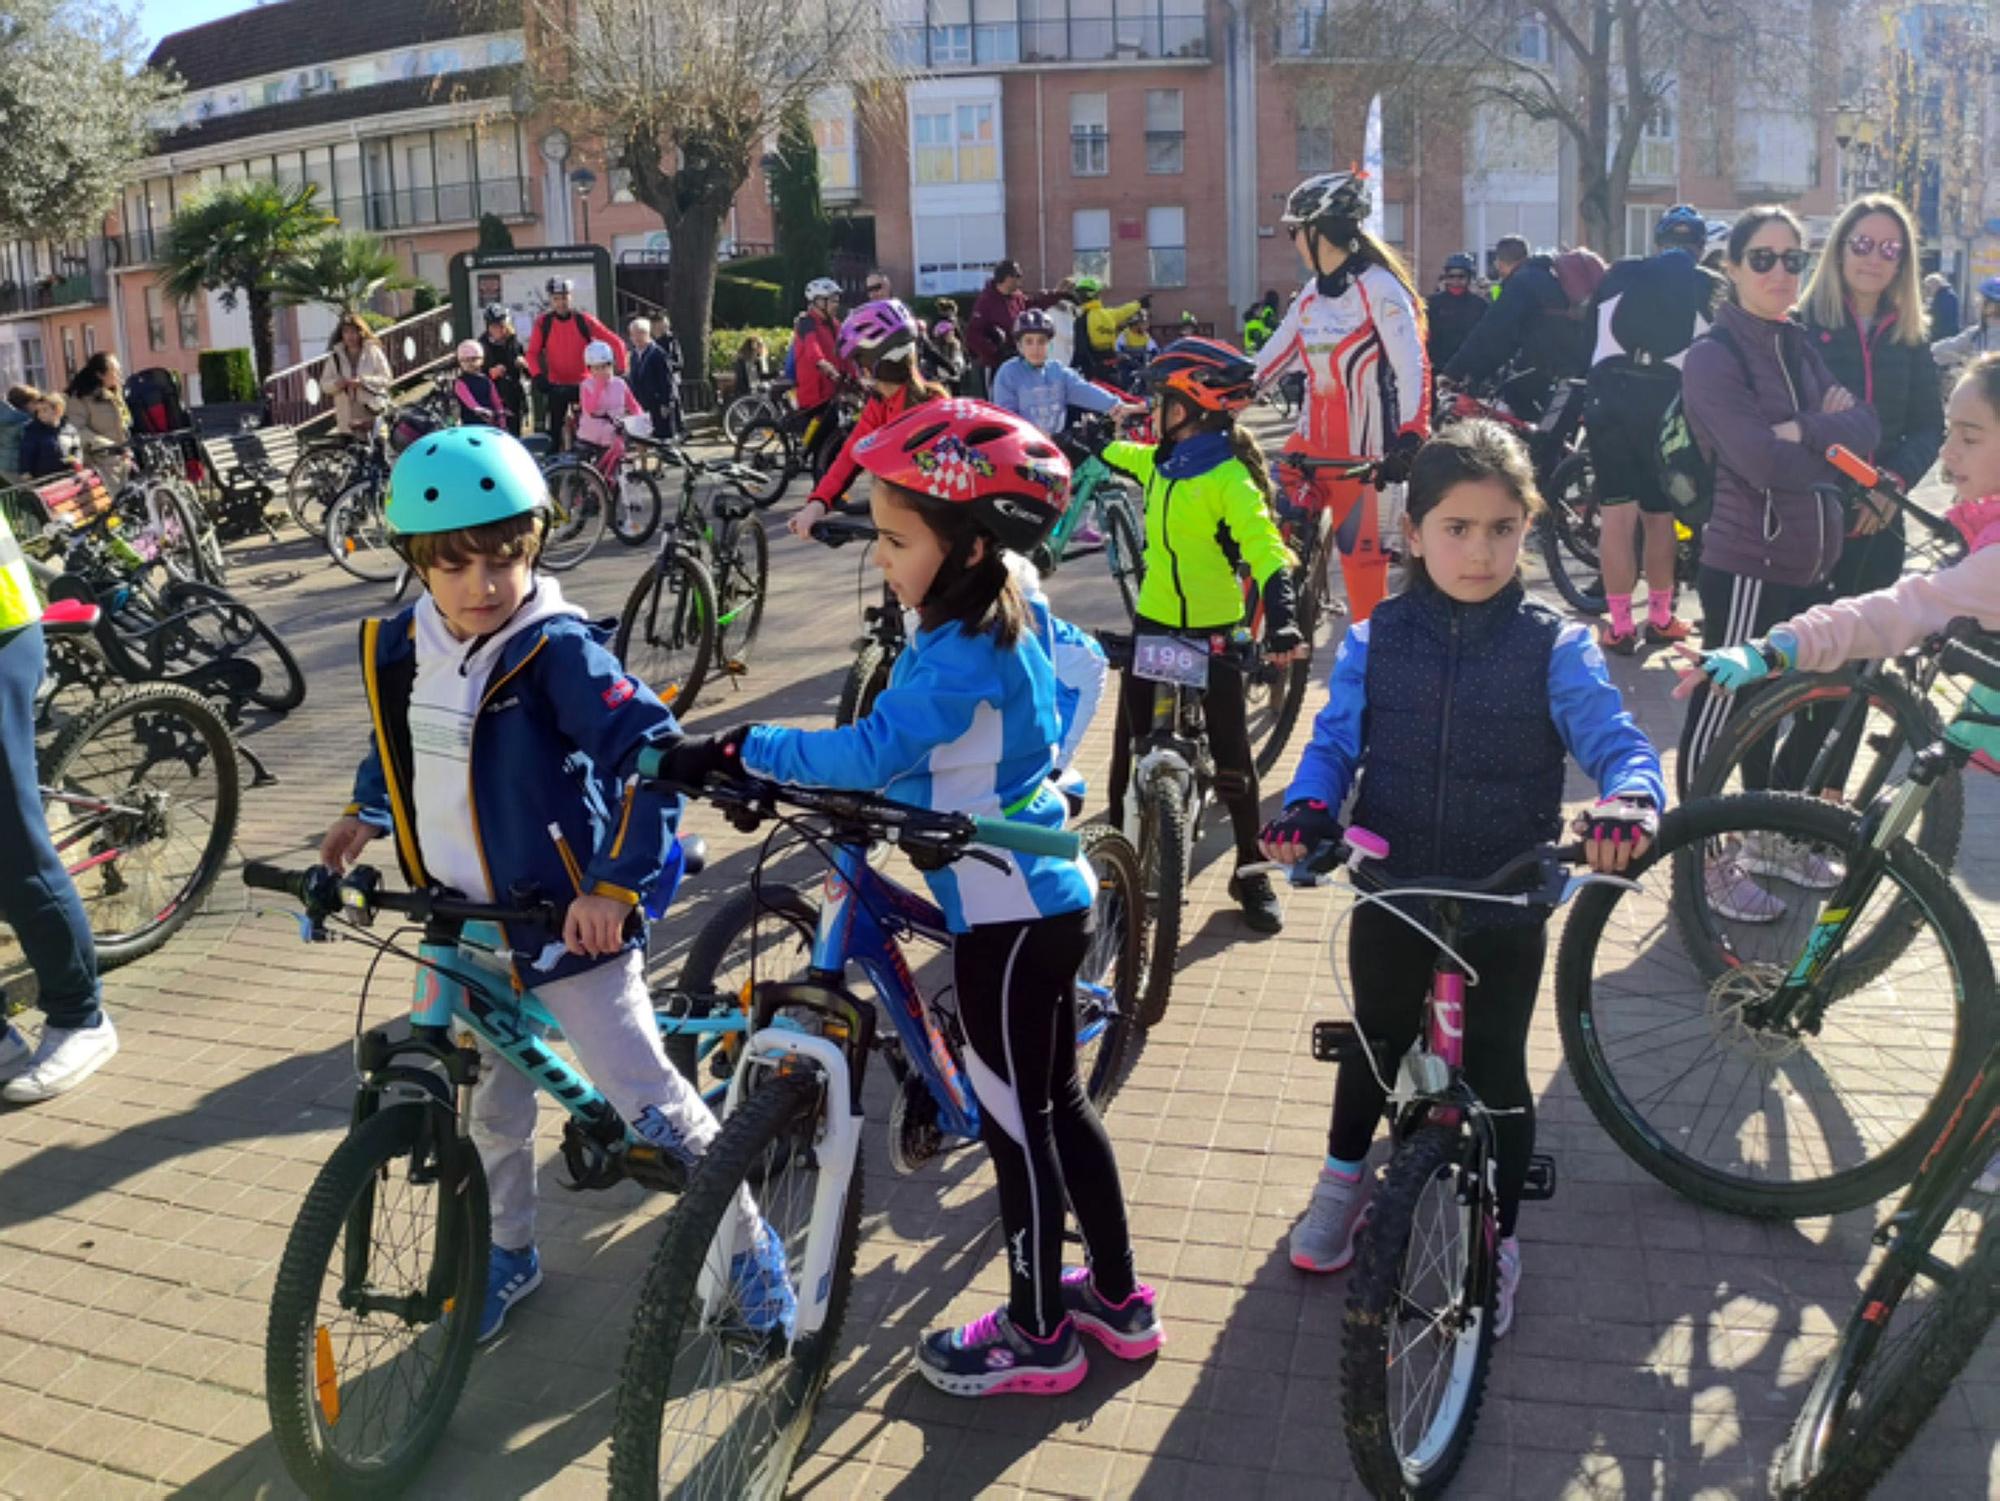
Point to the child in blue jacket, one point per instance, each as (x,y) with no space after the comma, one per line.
(505,739)
(1454,709)
(970,723)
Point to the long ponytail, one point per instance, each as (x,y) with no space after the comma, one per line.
(1249,453)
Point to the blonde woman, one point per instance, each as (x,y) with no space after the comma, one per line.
(1864,309)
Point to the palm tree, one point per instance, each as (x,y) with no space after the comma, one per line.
(340,271)
(236,242)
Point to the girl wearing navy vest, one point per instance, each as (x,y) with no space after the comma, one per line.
(1450,717)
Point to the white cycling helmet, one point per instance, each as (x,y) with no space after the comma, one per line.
(597,352)
(822,286)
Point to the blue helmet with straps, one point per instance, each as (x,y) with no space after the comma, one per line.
(1458,260)
(1990,289)
(460,478)
(1682,227)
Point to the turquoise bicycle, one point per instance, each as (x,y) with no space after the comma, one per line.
(1096,489)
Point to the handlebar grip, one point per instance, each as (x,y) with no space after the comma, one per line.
(652,762)
(258,875)
(1026,838)
(1856,468)
(1961,660)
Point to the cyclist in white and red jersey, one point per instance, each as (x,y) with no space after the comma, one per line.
(1357,331)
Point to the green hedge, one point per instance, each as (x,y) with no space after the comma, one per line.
(754,268)
(743,303)
(723,343)
(226,375)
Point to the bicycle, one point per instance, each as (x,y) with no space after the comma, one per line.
(780,449)
(1849,733)
(792,1127)
(1806,1072)
(1418,1331)
(141,795)
(765,402)
(1094,485)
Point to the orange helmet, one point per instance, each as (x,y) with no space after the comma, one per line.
(1212,375)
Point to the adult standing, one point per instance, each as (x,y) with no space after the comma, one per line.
(1454,309)
(1982,337)
(96,409)
(506,362)
(14,420)
(877,286)
(1762,401)
(1529,325)
(817,366)
(1943,305)
(37,897)
(989,333)
(1865,311)
(555,353)
(356,374)
(656,375)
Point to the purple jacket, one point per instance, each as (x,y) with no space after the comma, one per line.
(1769,523)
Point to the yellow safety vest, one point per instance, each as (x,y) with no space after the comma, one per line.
(18,605)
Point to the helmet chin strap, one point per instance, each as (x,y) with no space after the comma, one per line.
(950,567)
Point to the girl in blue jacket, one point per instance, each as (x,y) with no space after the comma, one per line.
(970,724)
(1453,709)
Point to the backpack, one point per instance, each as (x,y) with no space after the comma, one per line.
(1578,273)
(1685,473)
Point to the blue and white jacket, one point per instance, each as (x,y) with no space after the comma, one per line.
(965,726)
(1044,395)
(1078,661)
(1456,721)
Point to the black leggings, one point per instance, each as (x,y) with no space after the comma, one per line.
(1733,609)
(1391,965)
(1013,981)
(1227,715)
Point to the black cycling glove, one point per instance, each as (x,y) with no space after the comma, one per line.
(1401,455)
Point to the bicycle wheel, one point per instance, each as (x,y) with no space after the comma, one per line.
(635,513)
(1657,993)
(742,570)
(1919,1320)
(1779,736)
(1164,840)
(763,447)
(1108,981)
(207,624)
(1569,534)
(865,681)
(188,547)
(1123,551)
(706,1407)
(141,796)
(357,533)
(667,632)
(377,1305)
(741,412)
(1274,695)
(318,476)
(758,933)
(1418,1334)
(580,507)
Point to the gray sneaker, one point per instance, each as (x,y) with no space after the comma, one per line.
(1324,1240)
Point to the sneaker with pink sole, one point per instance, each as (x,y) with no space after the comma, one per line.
(1130,1330)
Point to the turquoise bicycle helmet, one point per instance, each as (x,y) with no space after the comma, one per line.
(460,478)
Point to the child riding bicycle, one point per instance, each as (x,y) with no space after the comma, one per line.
(505,742)
(1453,707)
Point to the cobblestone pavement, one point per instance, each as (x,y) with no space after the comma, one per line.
(1660,1349)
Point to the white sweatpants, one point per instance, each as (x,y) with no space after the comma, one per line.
(607,1016)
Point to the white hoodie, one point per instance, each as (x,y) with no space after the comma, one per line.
(444,702)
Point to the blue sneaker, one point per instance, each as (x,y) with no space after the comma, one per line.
(763,1284)
(992,1356)
(510,1277)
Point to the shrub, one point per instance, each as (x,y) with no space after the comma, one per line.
(227,375)
(754,268)
(743,303)
(723,344)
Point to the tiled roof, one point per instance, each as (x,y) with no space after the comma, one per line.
(305,33)
(347,104)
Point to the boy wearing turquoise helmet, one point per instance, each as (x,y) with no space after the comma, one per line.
(505,742)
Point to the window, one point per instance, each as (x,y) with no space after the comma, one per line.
(156,323)
(1044,30)
(1639,221)
(89,340)
(1090,243)
(951,32)
(1089,135)
(1530,41)
(936,158)
(1304,30)
(69,354)
(1395,218)
(996,38)
(1090,30)
(188,316)
(1166,247)
(1165,139)
(1313,133)
(957,144)
(34,363)
(1659,156)
(451,156)
(978,146)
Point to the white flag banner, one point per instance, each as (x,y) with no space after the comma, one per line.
(1371,164)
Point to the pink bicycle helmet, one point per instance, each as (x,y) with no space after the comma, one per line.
(878,331)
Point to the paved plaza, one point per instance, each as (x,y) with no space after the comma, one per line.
(1660,1349)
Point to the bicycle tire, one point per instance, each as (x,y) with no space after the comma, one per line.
(1110,978)
(357,534)
(582,507)
(165,911)
(1376,1303)
(671,660)
(865,680)
(1761,711)
(633,521)
(1126,555)
(314,481)
(188,548)
(296,1363)
(777,1112)
(742,573)
(241,626)
(1569,533)
(1686,834)
(739,913)
(764,448)
(1834,1454)
(1287,690)
(744,410)
(1164,840)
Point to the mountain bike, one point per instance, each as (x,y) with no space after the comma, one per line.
(1846,734)
(1418,1333)
(782,448)
(706,1408)
(730,540)
(1802,1064)
(325,467)
(140,792)
(765,402)
(1094,486)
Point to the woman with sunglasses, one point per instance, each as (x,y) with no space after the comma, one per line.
(1865,311)
(1763,403)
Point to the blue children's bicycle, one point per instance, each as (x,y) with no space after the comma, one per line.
(705,1406)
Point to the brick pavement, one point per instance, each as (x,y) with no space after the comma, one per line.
(1660,1349)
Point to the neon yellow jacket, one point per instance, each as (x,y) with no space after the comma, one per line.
(1190,582)
(1103,323)
(18,605)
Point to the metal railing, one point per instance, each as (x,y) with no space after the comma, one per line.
(415,347)
(1162,32)
(74,280)
(447,203)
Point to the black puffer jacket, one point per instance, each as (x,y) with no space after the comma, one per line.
(1899,381)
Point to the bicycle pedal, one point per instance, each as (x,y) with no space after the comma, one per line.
(1541,1180)
(1337,1042)
(735,668)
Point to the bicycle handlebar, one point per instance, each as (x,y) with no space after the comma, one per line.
(1547,863)
(1963,660)
(1365,470)
(1865,477)
(324,893)
(838,531)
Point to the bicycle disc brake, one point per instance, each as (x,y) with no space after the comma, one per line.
(1734,1001)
